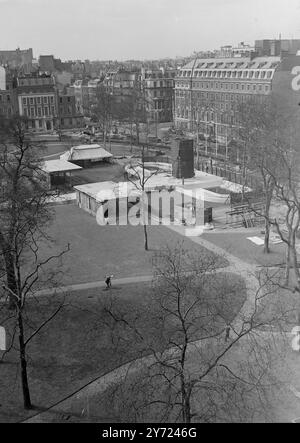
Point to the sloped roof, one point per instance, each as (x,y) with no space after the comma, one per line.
(59,165)
(109,190)
(86,152)
(265,62)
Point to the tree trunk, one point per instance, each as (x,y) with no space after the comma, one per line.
(131,137)
(287,265)
(104,137)
(187,409)
(295,265)
(146,238)
(22,352)
(11,279)
(267,237)
(185,400)
(267,222)
(137,126)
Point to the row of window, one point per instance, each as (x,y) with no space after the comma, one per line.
(7,111)
(38,100)
(203,106)
(207,117)
(159,75)
(159,93)
(166,84)
(61,99)
(35,82)
(230,74)
(2,98)
(39,124)
(229,86)
(40,112)
(65,110)
(218,97)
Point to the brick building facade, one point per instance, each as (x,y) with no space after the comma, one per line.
(68,117)
(37,100)
(8,93)
(17,58)
(208,92)
(158,86)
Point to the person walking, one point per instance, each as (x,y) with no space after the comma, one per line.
(108,281)
(227,333)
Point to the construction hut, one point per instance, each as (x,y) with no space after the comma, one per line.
(59,173)
(87,155)
(91,196)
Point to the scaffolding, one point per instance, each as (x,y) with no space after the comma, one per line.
(247,216)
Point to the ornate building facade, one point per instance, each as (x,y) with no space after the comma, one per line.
(37,100)
(208,91)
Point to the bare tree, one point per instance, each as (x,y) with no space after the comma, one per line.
(139,176)
(102,110)
(24,216)
(23,198)
(286,185)
(194,371)
(259,133)
(27,282)
(132,108)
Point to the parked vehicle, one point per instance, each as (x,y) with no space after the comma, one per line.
(153,139)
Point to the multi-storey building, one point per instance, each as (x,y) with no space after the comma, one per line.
(208,91)
(81,93)
(242,50)
(68,117)
(37,100)
(78,70)
(46,63)
(121,83)
(8,93)
(17,59)
(158,86)
(281,47)
(84,92)
(153,88)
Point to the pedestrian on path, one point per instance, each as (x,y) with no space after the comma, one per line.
(108,281)
(227,334)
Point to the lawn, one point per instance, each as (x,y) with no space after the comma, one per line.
(275,402)
(54,150)
(97,250)
(77,347)
(238,245)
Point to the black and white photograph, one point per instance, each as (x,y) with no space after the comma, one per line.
(149,214)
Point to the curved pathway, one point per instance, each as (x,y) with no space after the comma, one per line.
(61,411)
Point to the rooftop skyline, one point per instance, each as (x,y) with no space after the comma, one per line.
(141,29)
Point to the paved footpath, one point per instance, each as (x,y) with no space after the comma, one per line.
(94,285)
(245,270)
(62,410)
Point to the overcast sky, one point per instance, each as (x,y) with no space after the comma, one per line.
(141,29)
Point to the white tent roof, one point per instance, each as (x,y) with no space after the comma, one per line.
(205,195)
(161,179)
(234,187)
(59,165)
(109,190)
(86,152)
